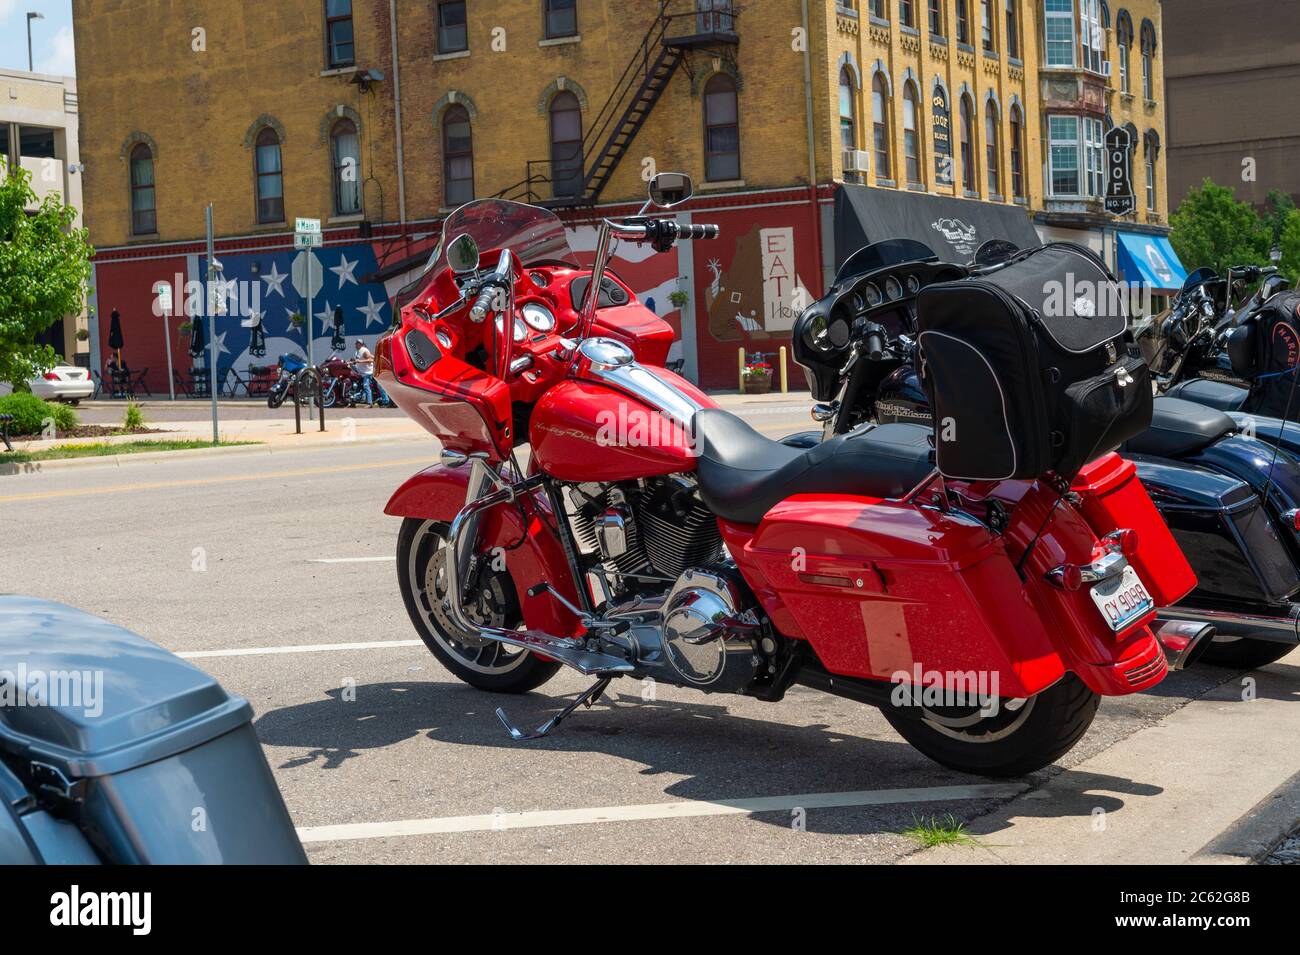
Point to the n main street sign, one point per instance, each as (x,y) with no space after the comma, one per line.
(307,234)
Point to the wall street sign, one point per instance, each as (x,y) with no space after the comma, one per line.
(1119,177)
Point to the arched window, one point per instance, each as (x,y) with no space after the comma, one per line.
(270,177)
(1148,39)
(1150,148)
(992,142)
(1012,19)
(1017,152)
(968,181)
(987,26)
(1124,42)
(346,149)
(848,114)
(566,145)
(721,129)
(880,125)
(144,203)
(457,157)
(911,134)
(1105,15)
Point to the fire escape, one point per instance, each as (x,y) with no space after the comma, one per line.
(673,40)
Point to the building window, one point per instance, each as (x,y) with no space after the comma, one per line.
(880,125)
(848,115)
(1063,155)
(566,145)
(911,135)
(1124,41)
(270,177)
(453,34)
(340,49)
(457,157)
(963,21)
(907,13)
(877,9)
(1017,153)
(986,25)
(1151,146)
(1092,40)
(936,18)
(968,181)
(144,219)
(1094,149)
(1148,39)
(1013,30)
(992,143)
(561,18)
(721,129)
(346,147)
(1058,29)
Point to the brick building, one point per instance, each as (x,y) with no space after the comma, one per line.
(808,127)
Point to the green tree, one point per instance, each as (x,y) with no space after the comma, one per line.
(44,267)
(1212,228)
(1289,240)
(1280,207)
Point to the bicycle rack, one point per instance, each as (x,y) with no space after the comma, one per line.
(297,397)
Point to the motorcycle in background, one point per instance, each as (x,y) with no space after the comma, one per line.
(342,384)
(1234,510)
(285,386)
(653,535)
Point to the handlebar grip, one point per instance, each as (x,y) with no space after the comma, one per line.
(699,231)
(875,346)
(482,305)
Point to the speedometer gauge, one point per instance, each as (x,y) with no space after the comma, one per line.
(538,317)
(913,284)
(871,295)
(893,289)
(520,331)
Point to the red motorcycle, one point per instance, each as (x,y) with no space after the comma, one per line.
(343,385)
(651,534)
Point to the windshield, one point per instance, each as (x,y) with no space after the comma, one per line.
(533,234)
(1199,276)
(879,255)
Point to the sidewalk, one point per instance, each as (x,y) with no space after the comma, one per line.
(1213,783)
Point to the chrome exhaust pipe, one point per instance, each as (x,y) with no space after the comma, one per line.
(1283,627)
(1184,641)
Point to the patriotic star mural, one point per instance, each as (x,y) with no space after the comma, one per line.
(282,289)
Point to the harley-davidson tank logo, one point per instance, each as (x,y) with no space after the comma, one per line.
(1286,344)
(887,411)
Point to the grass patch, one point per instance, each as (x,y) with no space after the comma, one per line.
(104,449)
(939,832)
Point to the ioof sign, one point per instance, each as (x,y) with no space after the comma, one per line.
(1119,179)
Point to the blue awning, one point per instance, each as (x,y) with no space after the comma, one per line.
(1149,260)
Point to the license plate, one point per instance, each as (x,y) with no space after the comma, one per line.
(1122,600)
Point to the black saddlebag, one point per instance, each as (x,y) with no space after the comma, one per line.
(1025,367)
(1276,344)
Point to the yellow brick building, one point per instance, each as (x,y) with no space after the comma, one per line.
(377,116)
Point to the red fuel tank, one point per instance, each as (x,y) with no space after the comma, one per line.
(589,431)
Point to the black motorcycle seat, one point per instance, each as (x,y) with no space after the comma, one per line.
(743,474)
(1180,427)
(1212,394)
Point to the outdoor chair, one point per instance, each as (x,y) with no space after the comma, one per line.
(230,382)
(182,386)
(138,383)
(99,383)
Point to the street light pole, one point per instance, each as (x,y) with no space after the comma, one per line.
(31,15)
(214,309)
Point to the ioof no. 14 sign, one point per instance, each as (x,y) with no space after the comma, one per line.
(1119,179)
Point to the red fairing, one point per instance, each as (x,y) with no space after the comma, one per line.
(878,587)
(438,493)
(583,431)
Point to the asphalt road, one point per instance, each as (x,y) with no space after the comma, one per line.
(223,553)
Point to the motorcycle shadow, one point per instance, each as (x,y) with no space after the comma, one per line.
(707,750)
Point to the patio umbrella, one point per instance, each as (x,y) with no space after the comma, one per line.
(256,335)
(338,343)
(197,340)
(115,333)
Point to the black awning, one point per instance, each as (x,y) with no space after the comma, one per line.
(954,228)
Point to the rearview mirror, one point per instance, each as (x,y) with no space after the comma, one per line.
(462,254)
(670,189)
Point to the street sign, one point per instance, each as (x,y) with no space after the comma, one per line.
(308,240)
(307,225)
(1120,199)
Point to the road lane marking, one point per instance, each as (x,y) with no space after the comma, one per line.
(350,560)
(661,810)
(200,482)
(306,648)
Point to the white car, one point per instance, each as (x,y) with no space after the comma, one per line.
(63,382)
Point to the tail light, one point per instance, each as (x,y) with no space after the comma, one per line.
(1293,519)
(51,376)
(1124,539)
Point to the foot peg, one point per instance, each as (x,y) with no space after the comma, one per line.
(586,698)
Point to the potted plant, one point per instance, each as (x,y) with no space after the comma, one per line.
(679,298)
(298,319)
(758,378)
(185,327)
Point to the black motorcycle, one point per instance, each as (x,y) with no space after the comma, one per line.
(1234,511)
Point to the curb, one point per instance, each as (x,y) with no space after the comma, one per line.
(1258,832)
(146,457)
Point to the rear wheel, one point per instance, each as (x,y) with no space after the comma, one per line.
(1023,736)
(1244,652)
(422,553)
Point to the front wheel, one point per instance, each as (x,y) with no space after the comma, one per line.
(1244,652)
(276,397)
(329,390)
(1011,742)
(422,552)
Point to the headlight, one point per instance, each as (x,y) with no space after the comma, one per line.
(538,317)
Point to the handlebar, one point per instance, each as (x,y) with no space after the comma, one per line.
(662,233)
(498,281)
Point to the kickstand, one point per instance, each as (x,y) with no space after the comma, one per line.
(586,698)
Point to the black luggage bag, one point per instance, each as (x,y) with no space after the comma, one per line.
(1266,348)
(1025,367)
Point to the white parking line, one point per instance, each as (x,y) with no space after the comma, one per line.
(351,560)
(308,648)
(661,810)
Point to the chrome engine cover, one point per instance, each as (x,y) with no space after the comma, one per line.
(702,612)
